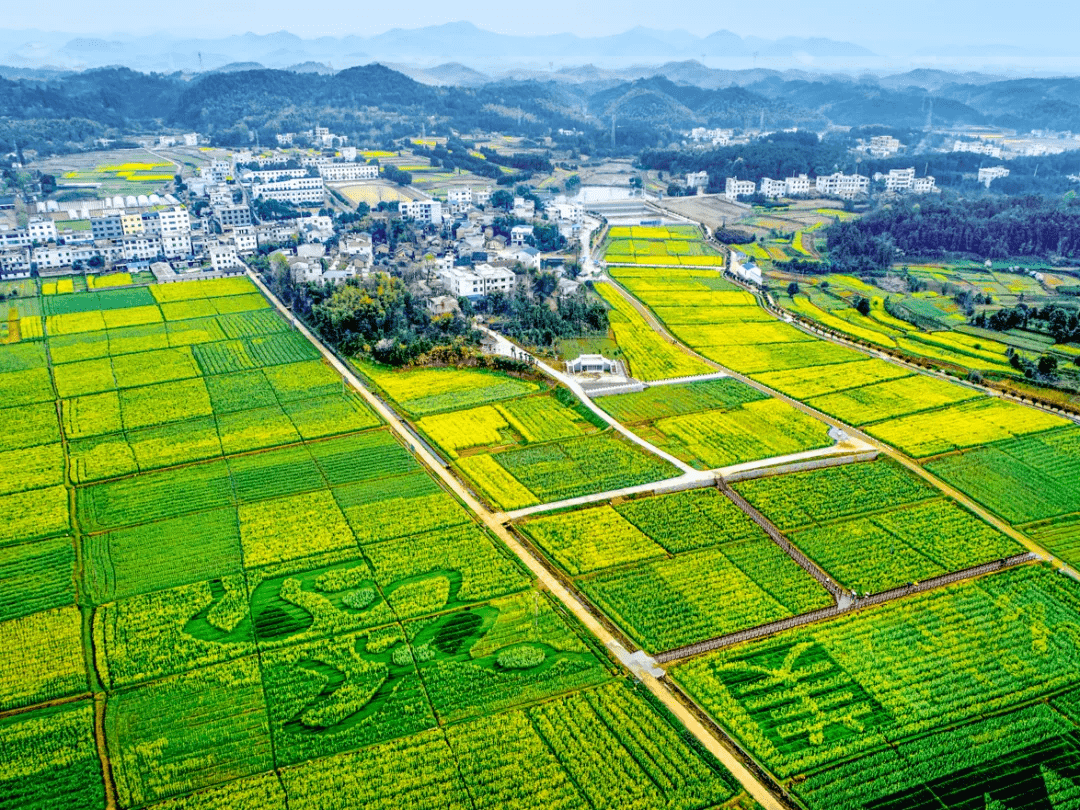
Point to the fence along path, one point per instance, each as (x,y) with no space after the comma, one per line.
(827,613)
(839,594)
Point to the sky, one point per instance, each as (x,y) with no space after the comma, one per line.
(881,26)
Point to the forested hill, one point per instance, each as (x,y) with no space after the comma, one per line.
(373,103)
(997,228)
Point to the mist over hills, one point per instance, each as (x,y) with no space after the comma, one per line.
(492,54)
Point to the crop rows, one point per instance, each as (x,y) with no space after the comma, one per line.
(892,674)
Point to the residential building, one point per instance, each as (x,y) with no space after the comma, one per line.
(244,238)
(477,281)
(298,190)
(518,235)
(15,263)
(284,138)
(793,186)
(988,174)
(459,200)
(190,139)
(523,208)
(223,257)
(900,179)
(348,153)
(232,216)
(140,247)
(698,181)
(175,245)
(41,230)
(47,258)
(339,172)
(843,185)
(735,188)
(108,226)
(482,196)
(426,211)
(217,171)
(978,147)
(131,223)
(925,185)
(562,210)
(772,188)
(884,145)
(174,220)
(271,174)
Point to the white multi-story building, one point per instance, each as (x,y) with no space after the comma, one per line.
(978,147)
(140,247)
(244,238)
(525,209)
(482,196)
(735,188)
(223,257)
(284,138)
(924,185)
(799,184)
(459,200)
(698,181)
(37,230)
(518,235)
(884,145)
(772,188)
(15,263)
(899,179)
(191,139)
(174,220)
(272,174)
(298,191)
(478,281)
(422,210)
(217,171)
(988,174)
(563,211)
(338,172)
(41,230)
(843,185)
(348,153)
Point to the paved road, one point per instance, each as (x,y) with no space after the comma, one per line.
(642,670)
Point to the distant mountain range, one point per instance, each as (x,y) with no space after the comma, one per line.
(459,42)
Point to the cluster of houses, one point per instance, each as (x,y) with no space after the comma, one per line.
(845,186)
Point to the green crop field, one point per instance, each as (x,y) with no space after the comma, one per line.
(675,569)
(221,581)
(935,731)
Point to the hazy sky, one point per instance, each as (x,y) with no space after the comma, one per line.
(965,22)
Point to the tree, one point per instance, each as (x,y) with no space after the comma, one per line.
(793,289)
(1048,365)
(502,199)
(863,306)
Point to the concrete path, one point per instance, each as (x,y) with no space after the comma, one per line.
(640,669)
(510,349)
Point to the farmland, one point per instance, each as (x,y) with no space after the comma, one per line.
(679,568)
(717,423)
(265,595)
(875,526)
(514,441)
(861,739)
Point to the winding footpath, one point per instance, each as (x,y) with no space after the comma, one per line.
(638,665)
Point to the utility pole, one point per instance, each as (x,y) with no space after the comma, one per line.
(613,129)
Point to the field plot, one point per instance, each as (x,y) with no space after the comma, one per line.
(648,355)
(725,575)
(278,601)
(432,390)
(888,400)
(48,760)
(515,649)
(815,381)
(717,423)
(981,421)
(957,656)
(1023,480)
(567,469)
